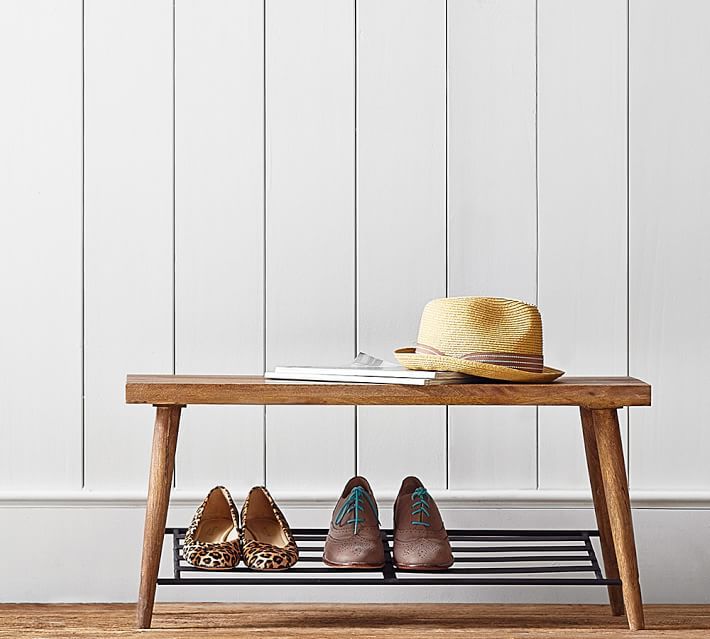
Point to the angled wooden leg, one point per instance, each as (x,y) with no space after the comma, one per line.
(611,569)
(162,464)
(616,491)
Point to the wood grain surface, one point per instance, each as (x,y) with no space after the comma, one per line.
(611,568)
(162,466)
(618,506)
(590,392)
(310,621)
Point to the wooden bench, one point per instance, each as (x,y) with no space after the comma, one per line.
(598,399)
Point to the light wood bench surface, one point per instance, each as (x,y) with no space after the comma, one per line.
(590,392)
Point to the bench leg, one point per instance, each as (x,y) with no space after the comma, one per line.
(611,569)
(162,464)
(616,491)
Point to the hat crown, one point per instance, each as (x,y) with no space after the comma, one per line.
(457,326)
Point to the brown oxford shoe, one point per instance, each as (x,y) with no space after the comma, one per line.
(354,539)
(420,539)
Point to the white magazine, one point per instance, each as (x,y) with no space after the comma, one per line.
(363,366)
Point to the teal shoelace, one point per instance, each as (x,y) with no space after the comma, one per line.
(420,506)
(355,504)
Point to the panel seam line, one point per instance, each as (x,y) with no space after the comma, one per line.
(447,455)
(356,423)
(628,234)
(537,228)
(174,235)
(83,250)
(264,235)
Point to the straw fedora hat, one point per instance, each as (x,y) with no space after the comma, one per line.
(488,337)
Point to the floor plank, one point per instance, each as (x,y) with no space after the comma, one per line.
(308,621)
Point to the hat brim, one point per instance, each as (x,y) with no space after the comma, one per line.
(409,358)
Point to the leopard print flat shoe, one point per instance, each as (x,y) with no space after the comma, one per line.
(266,539)
(212,540)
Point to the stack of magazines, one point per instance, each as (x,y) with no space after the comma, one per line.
(366,369)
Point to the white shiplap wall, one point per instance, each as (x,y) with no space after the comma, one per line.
(219,228)
(40,245)
(492,213)
(128,222)
(310,231)
(582,203)
(669,229)
(224,185)
(401,219)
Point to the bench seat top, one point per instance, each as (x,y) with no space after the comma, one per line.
(590,392)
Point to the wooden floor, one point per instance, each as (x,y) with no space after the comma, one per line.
(310,621)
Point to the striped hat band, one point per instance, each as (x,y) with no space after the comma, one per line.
(531,363)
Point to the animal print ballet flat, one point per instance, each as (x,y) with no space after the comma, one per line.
(212,540)
(267,541)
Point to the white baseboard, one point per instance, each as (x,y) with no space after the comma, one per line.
(90,552)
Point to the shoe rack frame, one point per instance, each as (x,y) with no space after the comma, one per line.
(533,552)
(552,556)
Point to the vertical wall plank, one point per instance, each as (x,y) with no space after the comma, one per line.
(128,227)
(219,282)
(492,212)
(670,233)
(40,244)
(310,229)
(582,210)
(401,215)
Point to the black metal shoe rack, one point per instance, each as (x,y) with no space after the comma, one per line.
(481,557)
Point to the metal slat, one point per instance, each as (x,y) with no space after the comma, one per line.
(185,567)
(569,548)
(506,559)
(243,570)
(577,534)
(475,549)
(425,581)
(318,559)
